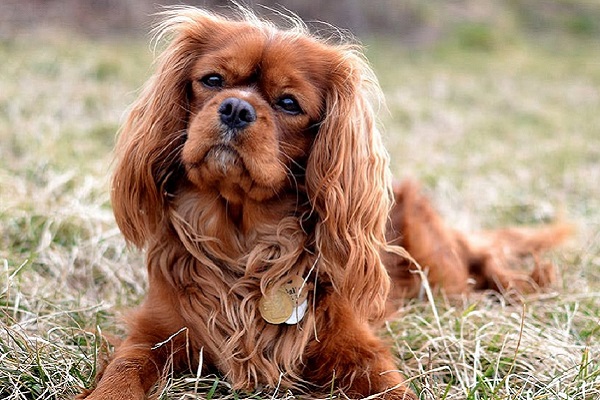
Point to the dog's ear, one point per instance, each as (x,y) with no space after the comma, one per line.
(150,140)
(349,183)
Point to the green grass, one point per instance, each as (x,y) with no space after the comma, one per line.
(502,128)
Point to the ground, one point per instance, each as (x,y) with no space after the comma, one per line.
(501,129)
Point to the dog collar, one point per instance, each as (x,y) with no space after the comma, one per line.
(287,304)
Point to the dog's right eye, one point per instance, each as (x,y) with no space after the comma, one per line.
(213,81)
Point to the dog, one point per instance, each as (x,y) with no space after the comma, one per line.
(251,171)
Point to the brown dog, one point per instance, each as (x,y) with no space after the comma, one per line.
(251,171)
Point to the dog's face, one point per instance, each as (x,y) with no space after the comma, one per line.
(255,104)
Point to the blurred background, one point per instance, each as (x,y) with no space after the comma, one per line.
(494,105)
(409,21)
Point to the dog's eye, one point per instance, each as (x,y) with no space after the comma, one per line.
(289,105)
(213,81)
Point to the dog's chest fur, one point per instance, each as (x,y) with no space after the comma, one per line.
(223,265)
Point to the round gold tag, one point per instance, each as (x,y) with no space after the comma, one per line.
(277,308)
(286,304)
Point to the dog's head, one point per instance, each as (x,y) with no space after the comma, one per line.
(255,101)
(251,112)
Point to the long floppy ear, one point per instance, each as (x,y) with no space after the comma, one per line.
(349,185)
(150,140)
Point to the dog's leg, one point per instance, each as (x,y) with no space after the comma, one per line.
(154,341)
(450,257)
(419,229)
(135,367)
(346,354)
(129,375)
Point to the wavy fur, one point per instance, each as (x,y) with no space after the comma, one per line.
(251,156)
(225,223)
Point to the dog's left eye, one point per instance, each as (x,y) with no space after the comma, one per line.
(213,81)
(289,105)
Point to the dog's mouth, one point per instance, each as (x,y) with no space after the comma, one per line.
(220,158)
(222,167)
(223,158)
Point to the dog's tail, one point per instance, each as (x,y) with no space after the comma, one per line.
(493,254)
(522,241)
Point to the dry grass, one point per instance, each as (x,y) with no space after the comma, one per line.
(507,133)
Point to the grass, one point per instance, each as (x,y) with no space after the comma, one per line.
(502,129)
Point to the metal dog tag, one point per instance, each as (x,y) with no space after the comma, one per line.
(277,308)
(287,304)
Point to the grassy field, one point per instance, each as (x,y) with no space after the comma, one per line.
(501,130)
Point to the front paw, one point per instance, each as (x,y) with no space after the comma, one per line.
(387,386)
(83,395)
(400,393)
(111,394)
(114,389)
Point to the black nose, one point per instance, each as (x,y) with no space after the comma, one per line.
(236,113)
